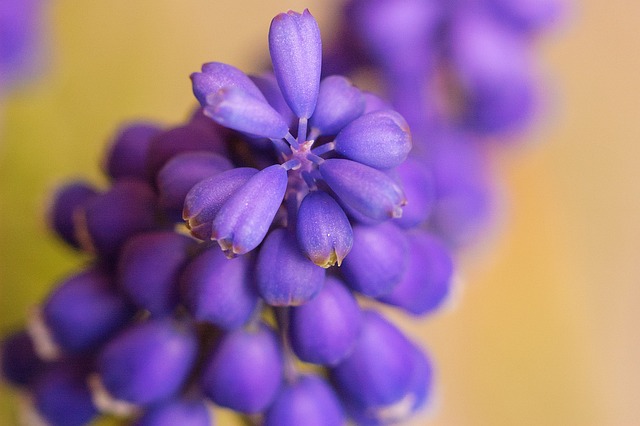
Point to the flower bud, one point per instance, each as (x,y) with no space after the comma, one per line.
(182,412)
(339,103)
(215,76)
(127,156)
(66,202)
(19,362)
(418,185)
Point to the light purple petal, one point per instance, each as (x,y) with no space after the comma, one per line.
(215,76)
(339,103)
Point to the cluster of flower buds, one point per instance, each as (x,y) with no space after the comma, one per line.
(239,259)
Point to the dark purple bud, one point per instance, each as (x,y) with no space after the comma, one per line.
(62,210)
(339,103)
(18,359)
(268,85)
(367,190)
(379,371)
(148,362)
(84,311)
(245,218)
(284,275)
(427,281)
(418,185)
(182,412)
(107,220)
(296,53)
(61,396)
(380,139)
(324,330)
(377,260)
(244,372)
(308,401)
(181,173)
(219,290)
(192,137)
(127,155)
(149,267)
(215,76)
(239,110)
(323,229)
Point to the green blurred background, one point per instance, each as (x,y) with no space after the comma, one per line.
(545,329)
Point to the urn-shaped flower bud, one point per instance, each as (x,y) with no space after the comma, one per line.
(323,229)
(367,190)
(324,330)
(284,275)
(148,362)
(379,139)
(62,398)
(378,259)
(215,76)
(62,211)
(183,412)
(219,290)
(19,362)
(109,219)
(418,185)
(244,372)
(84,311)
(308,401)
(203,202)
(339,103)
(245,218)
(427,281)
(149,267)
(379,371)
(127,156)
(181,173)
(296,53)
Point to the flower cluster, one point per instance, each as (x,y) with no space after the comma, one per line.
(241,259)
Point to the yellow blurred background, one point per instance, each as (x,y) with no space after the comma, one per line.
(545,331)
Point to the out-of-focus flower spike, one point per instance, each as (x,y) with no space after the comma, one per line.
(365,189)
(244,371)
(218,290)
(418,184)
(528,16)
(148,269)
(215,76)
(127,155)
(66,201)
(339,103)
(323,229)
(183,412)
(296,53)
(245,218)
(325,329)
(308,401)
(427,282)
(148,362)
(181,173)
(378,259)
(284,275)
(237,109)
(19,362)
(379,139)
(204,200)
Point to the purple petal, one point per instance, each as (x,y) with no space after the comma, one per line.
(183,412)
(181,173)
(377,260)
(148,362)
(427,281)
(20,364)
(418,184)
(284,275)
(245,218)
(244,372)
(323,229)
(296,54)
(127,156)
(215,76)
(66,202)
(237,109)
(148,269)
(379,139)
(203,202)
(219,290)
(374,103)
(308,401)
(339,103)
(325,329)
(268,85)
(365,189)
